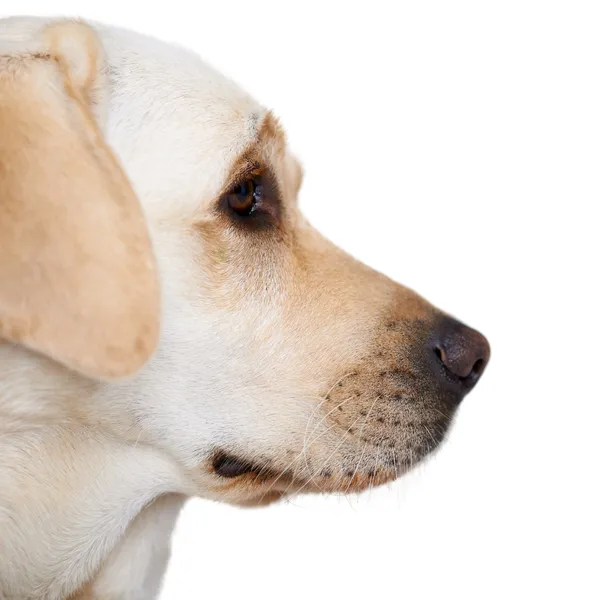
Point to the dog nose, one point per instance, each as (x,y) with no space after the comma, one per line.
(463,353)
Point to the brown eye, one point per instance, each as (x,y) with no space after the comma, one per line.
(243,197)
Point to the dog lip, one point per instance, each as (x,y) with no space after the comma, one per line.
(226,465)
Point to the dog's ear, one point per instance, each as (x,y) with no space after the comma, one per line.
(78,279)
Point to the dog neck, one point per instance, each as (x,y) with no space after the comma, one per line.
(74,497)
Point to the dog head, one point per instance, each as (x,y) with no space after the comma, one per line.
(152,244)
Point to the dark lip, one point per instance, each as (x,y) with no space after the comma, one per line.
(229,466)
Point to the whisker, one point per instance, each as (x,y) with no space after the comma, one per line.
(332,410)
(439,412)
(396,468)
(308,443)
(319,406)
(313,440)
(432,438)
(365,446)
(329,457)
(372,478)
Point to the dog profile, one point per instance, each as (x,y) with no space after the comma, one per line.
(171,325)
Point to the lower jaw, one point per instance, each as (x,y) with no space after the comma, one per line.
(253,494)
(260,488)
(260,500)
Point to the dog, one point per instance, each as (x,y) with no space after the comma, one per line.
(171,325)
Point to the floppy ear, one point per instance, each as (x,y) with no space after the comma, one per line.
(78,279)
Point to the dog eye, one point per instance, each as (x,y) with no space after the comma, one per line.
(244,197)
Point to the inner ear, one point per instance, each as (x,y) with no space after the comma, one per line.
(78,280)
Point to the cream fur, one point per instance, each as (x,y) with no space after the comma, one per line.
(255,334)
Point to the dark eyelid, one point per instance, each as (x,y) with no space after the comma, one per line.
(251,170)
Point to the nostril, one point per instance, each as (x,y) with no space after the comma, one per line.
(477,367)
(440,353)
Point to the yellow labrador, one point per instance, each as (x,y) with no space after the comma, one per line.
(171,325)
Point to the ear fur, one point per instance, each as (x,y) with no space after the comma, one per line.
(78,279)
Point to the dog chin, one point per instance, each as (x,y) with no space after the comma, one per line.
(255,494)
(242,483)
(261,500)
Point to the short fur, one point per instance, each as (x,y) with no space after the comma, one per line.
(147,331)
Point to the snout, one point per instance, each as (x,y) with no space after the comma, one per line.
(459,355)
(375,418)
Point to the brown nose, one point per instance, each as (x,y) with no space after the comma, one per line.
(463,352)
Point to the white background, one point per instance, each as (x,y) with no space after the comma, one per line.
(456,147)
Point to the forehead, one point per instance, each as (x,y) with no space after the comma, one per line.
(177,125)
